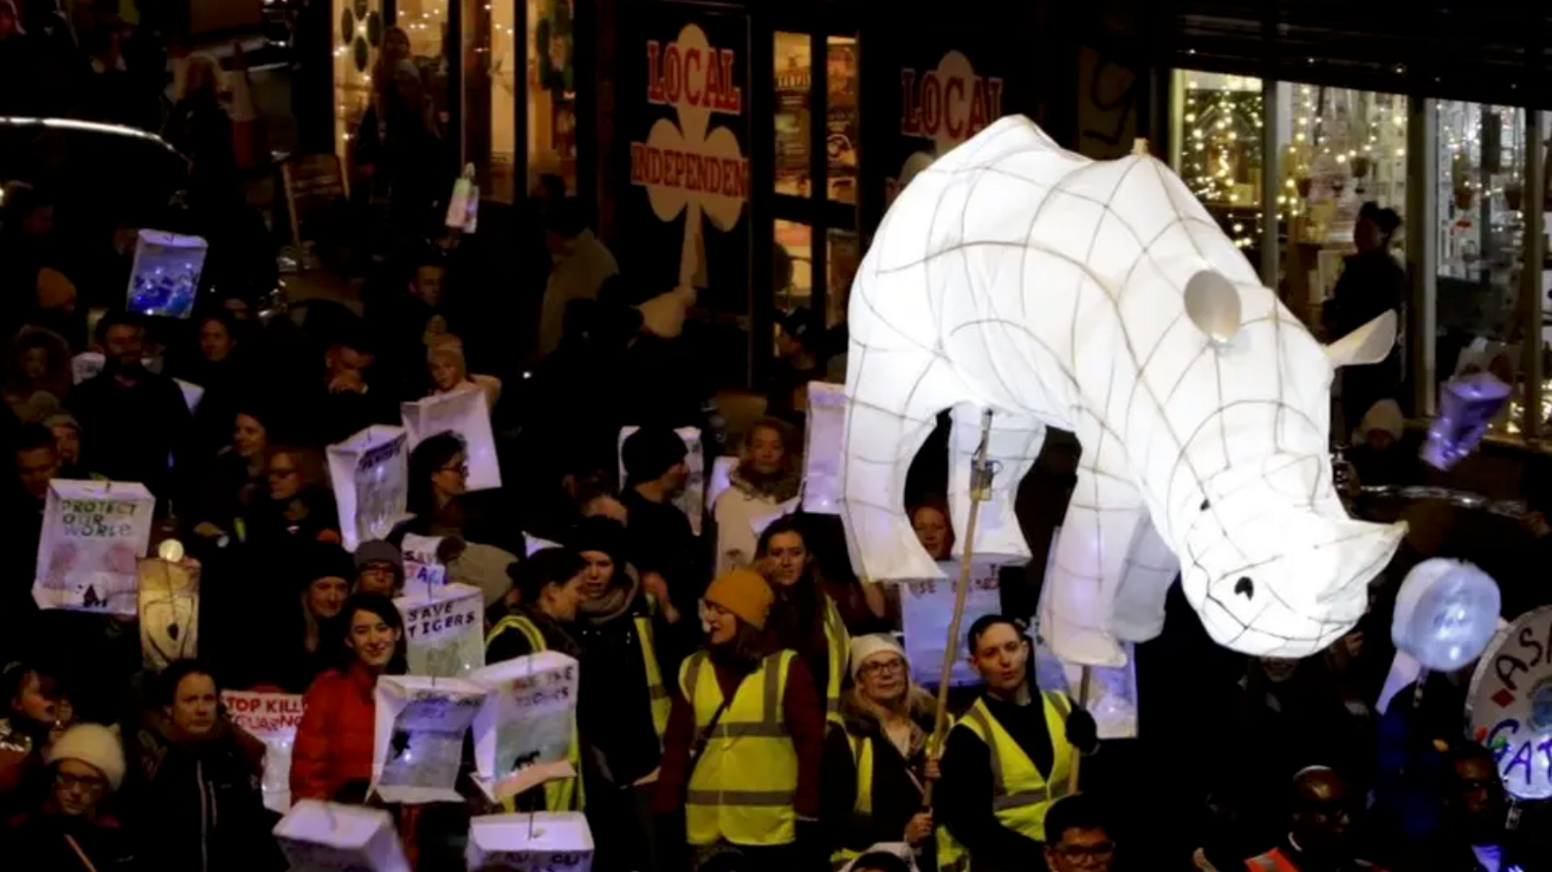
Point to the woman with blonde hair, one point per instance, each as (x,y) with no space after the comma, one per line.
(450,372)
(876,761)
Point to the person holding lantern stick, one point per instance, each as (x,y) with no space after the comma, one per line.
(1015,752)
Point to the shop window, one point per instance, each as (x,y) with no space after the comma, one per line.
(843,255)
(503,68)
(841,139)
(1217,143)
(793,270)
(1338,149)
(1480,235)
(552,91)
(794,94)
(358,42)
(426,24)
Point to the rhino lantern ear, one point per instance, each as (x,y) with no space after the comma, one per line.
(1213,306)
(1370,343)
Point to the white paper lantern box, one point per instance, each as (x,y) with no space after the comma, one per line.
(524,732)
(370,474)
(94,534)
(324,835)
(539,842)
(165,277)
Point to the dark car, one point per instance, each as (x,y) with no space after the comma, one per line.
(102,179)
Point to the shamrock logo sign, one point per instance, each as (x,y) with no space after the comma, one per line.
(692,167)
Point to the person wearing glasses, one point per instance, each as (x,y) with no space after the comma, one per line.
(1078,836)
(1011,756)
(439,499)
(73,831)
(876,761)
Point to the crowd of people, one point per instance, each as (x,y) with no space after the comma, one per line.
(746,702)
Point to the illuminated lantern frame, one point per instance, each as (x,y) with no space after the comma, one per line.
(1101,298)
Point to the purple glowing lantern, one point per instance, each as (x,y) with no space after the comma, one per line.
(1467,404)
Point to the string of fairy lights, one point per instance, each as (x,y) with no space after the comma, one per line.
(1339,136)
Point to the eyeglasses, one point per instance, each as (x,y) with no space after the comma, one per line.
(85,782)
(1096,851)
(879,667)
(461,469)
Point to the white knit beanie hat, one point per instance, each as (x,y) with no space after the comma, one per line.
(96,746)
(864,647)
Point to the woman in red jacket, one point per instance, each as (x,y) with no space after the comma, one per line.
(332,757)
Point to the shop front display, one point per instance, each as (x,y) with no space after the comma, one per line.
(684,217)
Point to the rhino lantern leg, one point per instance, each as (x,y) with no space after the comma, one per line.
(1078,601)
(894,400)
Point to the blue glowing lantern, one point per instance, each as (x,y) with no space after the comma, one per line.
(165,276)
(1446,613)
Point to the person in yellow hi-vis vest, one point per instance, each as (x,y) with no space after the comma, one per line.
(624,711)
(805,618)
(1009,757)
(876,761)
(745,743)
(550,586)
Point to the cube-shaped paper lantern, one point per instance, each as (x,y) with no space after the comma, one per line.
(422,567)
(94,534)
(370,473)
(444,629)
(325,835)
(169,611)
(523,734)
(467,414)
(272,718)
(165,277)
(419,733)
(539,842)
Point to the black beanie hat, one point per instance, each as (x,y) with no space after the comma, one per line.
(600,534)
(650,452)
(324,560)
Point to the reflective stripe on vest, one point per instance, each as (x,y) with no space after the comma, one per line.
(839,642)
(522,624)
(657,694)
(862,802)
(1272,861)
(1020,796)
(744,783)
(560,794)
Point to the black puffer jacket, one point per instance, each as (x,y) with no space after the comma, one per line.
(897,779)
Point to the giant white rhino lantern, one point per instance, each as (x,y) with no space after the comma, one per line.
(1101,298)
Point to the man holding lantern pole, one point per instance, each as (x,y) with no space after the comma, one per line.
(1011,756)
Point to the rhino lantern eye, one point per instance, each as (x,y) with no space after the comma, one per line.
(1246,587)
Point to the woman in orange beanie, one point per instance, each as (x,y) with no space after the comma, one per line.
(745,742)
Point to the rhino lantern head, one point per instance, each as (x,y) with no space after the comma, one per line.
(1271,561)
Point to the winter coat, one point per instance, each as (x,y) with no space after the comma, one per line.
(333,747)
(896,791)
(42,841)
(204,807)
(615,712)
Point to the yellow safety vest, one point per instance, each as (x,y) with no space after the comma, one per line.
(560,794)
(742,788)
(657,694)
(1020,796)
(862,804)
(950,856)
(839,642)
